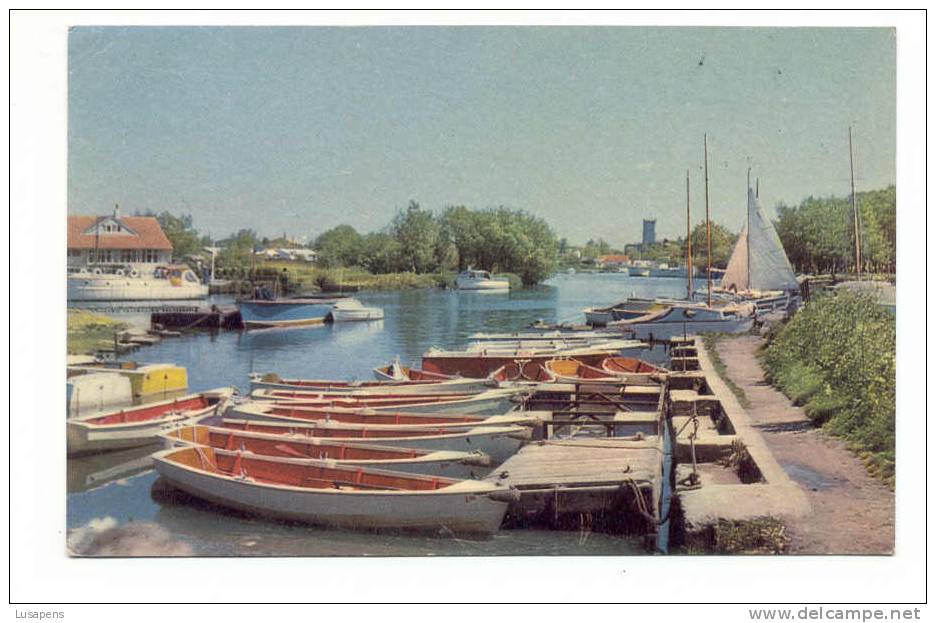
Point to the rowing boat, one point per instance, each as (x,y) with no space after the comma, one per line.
(294,411)
(480,362)
(326,494)
(627,370)
(449,463)
(497,442)
(489,402)
(133,427)
(363,388)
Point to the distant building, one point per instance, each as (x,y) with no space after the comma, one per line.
(135,241)
(649,232)
(611,261)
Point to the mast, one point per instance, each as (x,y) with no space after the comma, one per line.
(708,223)
(688,242)
(747,243)
(854,198)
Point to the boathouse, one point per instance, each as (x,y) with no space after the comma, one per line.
(138,241)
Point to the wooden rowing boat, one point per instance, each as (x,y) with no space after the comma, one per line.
(133,427)
(497,442)
(295,411)
(619,370)
(365,388)
(489,402)
(482,361)
(326,494)
(448,463)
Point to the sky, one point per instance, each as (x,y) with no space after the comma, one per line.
(297,130)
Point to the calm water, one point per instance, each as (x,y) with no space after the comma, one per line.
(121,485)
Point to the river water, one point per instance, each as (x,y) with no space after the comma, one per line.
(122,486)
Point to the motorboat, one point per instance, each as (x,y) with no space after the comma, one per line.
(352,310)
(171,282)
(472,279)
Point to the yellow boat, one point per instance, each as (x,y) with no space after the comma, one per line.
(148,381)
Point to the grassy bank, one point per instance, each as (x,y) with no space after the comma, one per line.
(837,359)
(89,332)
(305,277)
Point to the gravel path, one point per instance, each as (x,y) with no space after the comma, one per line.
(852,513)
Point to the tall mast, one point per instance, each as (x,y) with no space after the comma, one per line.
(708,223)
(747,243)
(854,198)
(688,241)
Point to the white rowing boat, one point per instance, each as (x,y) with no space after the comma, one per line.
(326,494)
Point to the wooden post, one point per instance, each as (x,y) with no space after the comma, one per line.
(708,224)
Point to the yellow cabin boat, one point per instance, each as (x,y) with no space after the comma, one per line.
(148,381)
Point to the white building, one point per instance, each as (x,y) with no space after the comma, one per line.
(136,241)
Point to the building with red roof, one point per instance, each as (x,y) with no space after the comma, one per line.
(115,239)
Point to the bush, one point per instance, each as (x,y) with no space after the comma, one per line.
(837,358)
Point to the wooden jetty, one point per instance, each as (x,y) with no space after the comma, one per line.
(557,478)
(214,317)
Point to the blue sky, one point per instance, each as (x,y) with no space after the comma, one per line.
(300,129)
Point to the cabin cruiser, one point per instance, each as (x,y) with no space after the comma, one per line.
(171,282)
(472,279)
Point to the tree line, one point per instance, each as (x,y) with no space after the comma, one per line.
(420,241)
(818,235)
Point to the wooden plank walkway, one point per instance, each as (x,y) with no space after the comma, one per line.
(583,462)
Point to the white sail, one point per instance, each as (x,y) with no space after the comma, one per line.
(769,267)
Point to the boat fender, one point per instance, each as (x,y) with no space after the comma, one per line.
(134,273)
(96,271)
(119,272)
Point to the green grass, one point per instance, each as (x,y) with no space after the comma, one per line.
(710,340)
(309,277)
(764,535)
(88,333)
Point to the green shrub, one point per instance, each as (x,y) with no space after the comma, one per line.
(837,358)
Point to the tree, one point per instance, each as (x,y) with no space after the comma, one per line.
(382,254)
(418,234)
(237,252)
(340,246)
(723,243)
(185,240)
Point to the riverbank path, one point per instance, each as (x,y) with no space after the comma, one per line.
(852,513)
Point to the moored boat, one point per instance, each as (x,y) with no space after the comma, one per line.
(352,310)
(472,279)
(689,319)
(133,427)
(330,495)
(148,381)
(449,463)
(628,371)
(498,442)
(172,282)
(481,362)
(260,313)
(357,388)
(488,402)
(297,411)
(93,393)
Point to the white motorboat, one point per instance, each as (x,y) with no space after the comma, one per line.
(472,279)
(173,282)
(351,310)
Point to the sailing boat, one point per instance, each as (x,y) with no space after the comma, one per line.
(665,319)
(759,270)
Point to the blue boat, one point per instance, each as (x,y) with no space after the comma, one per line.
(264,314)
